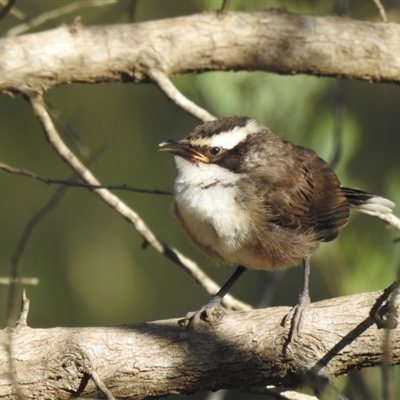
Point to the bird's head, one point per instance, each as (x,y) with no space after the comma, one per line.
(232,143)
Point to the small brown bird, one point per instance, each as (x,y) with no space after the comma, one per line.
(244,196)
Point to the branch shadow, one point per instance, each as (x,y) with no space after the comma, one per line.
(381,308)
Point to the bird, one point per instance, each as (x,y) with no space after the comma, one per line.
(245,196)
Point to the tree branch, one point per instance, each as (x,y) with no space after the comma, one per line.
(160,358)
(270,41)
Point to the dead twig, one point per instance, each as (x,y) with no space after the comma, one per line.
(14,279)
(20,250)
(6,280)
(225,6)
(58,12)
(100,385)
(23,316)
(7,8)
(170,90)
(381,10)
(14,11)
(50,181)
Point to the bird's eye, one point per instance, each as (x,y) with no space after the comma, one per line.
(215,150)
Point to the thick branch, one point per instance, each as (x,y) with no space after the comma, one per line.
(160,358)
(270,41)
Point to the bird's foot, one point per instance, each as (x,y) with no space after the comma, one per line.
(296,315)
(212,312)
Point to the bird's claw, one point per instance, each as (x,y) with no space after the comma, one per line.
(212,312)
(296,315)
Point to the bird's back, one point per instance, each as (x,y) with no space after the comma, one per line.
(302,194)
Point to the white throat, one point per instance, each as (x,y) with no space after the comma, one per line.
(199,173)
(206,198)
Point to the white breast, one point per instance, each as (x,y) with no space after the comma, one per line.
(205,194)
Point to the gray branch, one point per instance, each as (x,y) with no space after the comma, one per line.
(270,41)
(246,350)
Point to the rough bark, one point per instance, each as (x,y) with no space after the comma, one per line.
(270,41)
(243,350)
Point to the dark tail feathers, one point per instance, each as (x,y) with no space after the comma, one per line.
(368,203)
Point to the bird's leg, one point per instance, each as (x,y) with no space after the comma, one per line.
(215,302)
(298,311)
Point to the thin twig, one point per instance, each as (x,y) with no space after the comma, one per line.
(340,107)
(21,246)
(6,280)
(201,278)
(49,181)
(7,8)
(132,6)
(67,131)
(381,10)
(23,316)
(170,90)
(384,310)
(47,16)
(39,108)
(100,385)
(24,239)
(225,6)
(15,11)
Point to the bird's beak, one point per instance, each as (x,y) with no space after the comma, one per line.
(181,148)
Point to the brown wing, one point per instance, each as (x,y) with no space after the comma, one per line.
(310,196)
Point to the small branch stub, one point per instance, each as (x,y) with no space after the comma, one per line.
(23,317)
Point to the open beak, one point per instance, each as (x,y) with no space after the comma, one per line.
(181,148)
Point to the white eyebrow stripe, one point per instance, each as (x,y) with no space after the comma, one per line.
(228,139)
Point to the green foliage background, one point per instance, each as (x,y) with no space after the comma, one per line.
(90,263)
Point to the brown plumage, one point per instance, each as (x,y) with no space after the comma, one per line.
(245,196)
